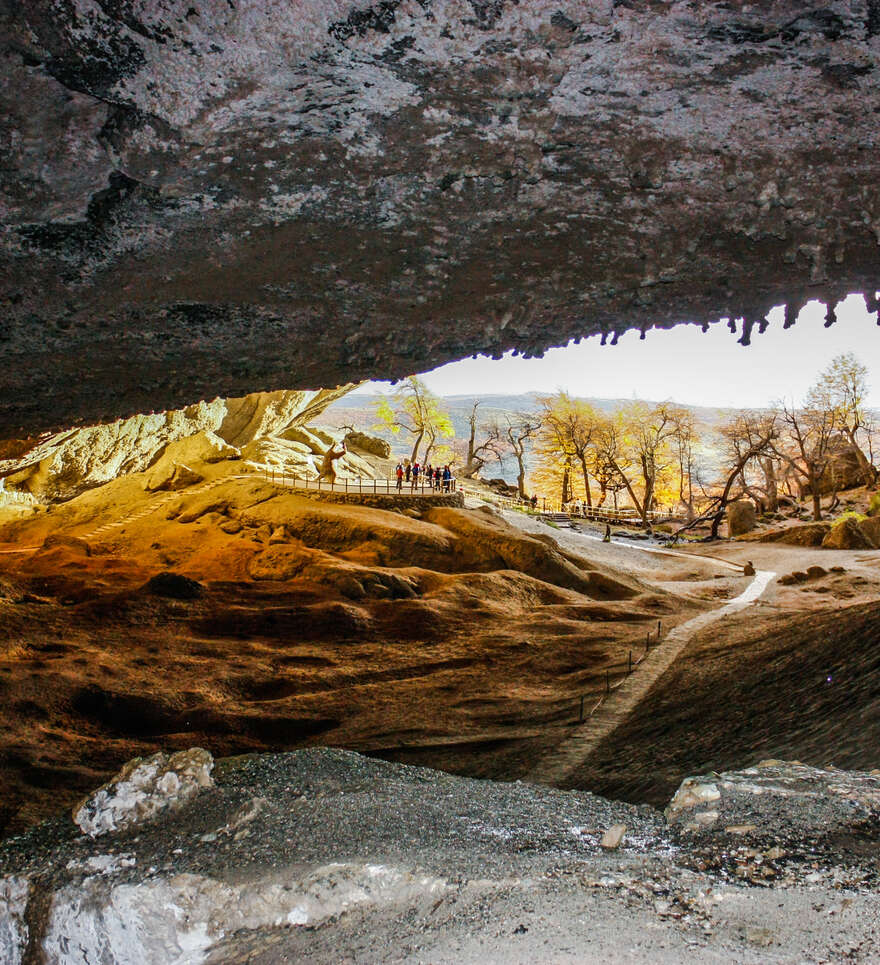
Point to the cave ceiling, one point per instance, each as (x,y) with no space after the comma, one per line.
(212,198)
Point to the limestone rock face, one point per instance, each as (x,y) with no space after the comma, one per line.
(202,200)
(143,789)
(67,463)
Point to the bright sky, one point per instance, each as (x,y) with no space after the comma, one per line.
(682,364)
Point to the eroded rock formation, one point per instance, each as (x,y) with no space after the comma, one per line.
(268,427)
(210,199)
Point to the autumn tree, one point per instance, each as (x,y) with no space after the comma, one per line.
(569,431)
(615,469)
(412,407)
(648,433)
(684,441)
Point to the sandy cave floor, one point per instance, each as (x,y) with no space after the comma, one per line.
(451,639)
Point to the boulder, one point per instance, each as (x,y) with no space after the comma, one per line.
(176,586)
(847,534)
(806,534)
(371,444)
(741,517)
(172,478)
(613,837)
(143,789)
(778,800)
(870,527)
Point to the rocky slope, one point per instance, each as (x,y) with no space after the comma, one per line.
(204,199)
(245,617)
(325,856)
(269,428)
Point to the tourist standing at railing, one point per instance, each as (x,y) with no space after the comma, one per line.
(427,475)
(399,472)
(437,476)
(447,478)
(416,469)
(408,471)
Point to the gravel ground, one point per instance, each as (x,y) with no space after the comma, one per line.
(325,856)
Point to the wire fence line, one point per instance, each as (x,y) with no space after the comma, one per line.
(549,507)
(628,668)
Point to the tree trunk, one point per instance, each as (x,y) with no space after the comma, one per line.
(589,495)
(725,496)
(629,490)
(771,484)
(566,483)
(415,449)
(817,500)
(521,476)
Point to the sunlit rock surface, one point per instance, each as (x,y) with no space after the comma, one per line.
(202,199)
(405,864)
(262,426)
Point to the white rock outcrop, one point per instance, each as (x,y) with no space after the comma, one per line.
(70,462)
(14,892)
(176,921)
(143,788)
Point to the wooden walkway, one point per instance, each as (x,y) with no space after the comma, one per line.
(559,767)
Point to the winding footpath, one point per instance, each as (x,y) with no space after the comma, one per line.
(559,766)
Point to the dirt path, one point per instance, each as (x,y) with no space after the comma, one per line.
(558,765)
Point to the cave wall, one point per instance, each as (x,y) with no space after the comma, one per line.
(202,199)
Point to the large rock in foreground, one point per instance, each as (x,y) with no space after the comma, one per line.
(405,864)
(198,200)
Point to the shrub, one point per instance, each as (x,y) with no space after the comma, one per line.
(874,505)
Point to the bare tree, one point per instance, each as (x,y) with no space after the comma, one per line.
(747,437)
(521,428)
(805,445)
(491,446)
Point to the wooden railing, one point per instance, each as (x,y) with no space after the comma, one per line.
(358,486)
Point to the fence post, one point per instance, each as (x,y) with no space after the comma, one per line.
(360,484)
(346,486)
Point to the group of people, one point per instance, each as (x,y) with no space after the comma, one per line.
(414,474)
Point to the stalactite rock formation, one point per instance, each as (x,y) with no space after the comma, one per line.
(214,199)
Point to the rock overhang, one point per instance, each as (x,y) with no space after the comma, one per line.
(203,200)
